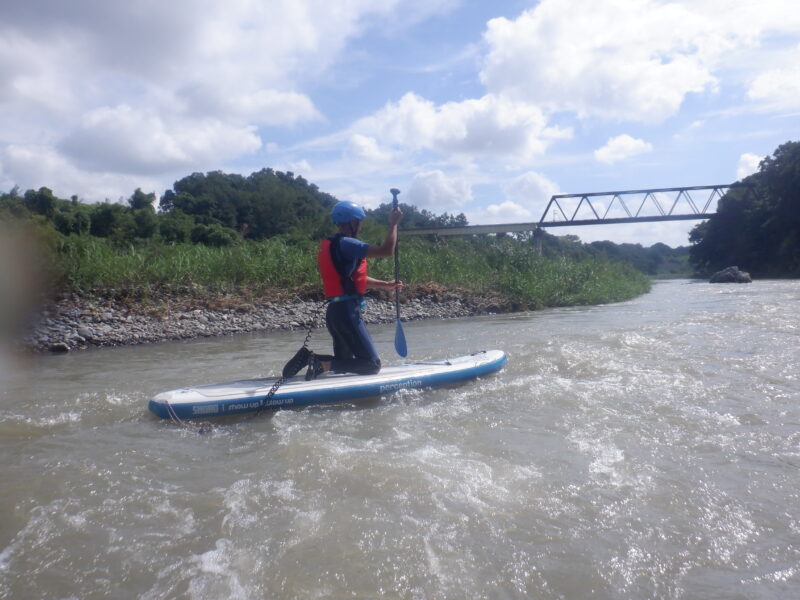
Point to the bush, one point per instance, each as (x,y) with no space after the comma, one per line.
(213,235)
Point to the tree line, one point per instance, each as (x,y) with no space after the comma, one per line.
(757,223)
(219,209)
(214,209)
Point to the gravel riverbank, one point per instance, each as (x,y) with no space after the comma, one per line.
(73,323)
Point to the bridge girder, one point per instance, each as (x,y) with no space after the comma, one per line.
(655,196)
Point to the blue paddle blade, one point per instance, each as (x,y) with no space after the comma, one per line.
(400,340)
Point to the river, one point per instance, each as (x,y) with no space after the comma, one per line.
(646,449)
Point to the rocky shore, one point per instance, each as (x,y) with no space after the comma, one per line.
(73,322)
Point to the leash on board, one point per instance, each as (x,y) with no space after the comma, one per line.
(294,366)
(202,429)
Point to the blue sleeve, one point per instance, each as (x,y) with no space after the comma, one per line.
(352,248)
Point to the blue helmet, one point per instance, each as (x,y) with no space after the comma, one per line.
(344,211)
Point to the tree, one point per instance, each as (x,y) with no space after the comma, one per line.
(264,204)
(212,235)
(139,200)
(175,227)
(167,202)
(105,219)
(83,222)
(146,222)
(757,224)
(41,202)
(64,222)
(12,206)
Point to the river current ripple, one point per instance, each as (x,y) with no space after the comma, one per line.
(647,449)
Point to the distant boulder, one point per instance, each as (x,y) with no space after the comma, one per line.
(730,275)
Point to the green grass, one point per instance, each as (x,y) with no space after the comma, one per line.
(93,264)
(514,270)
(479,265)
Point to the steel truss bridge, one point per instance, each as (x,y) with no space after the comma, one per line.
(610,208)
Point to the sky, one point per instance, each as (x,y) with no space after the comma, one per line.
(467,106)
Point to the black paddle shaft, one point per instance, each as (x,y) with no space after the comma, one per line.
(394,192)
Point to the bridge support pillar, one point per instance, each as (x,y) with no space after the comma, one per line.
(538,235)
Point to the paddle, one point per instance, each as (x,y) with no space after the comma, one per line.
(399,336)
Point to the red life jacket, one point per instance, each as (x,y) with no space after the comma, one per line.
(335,283)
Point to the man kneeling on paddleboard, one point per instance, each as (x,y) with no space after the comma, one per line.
(343,266)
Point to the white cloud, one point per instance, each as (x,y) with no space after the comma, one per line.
(301,167)
(32,167)
(627,59)
(490,125)
(748,164)
(631,60)
(438,192)
(124,139)
(506,212)
(779,88)
(365,148)
(531,189)
(161,88)
(203,41)
(30,73)
(526,197)
(620,148)
(261,107)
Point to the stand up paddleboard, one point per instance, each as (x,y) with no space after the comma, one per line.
(246,396)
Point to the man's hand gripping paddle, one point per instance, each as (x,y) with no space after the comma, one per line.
(399,336)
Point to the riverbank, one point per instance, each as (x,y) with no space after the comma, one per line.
(107,294)
(72,322)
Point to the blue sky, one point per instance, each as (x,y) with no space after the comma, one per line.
(486,108)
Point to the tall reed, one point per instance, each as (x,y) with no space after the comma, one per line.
(513,269)
(481,265)
(95,264)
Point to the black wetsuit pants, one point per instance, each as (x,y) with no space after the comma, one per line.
(353,351)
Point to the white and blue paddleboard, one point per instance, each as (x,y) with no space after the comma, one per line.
(250,395)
